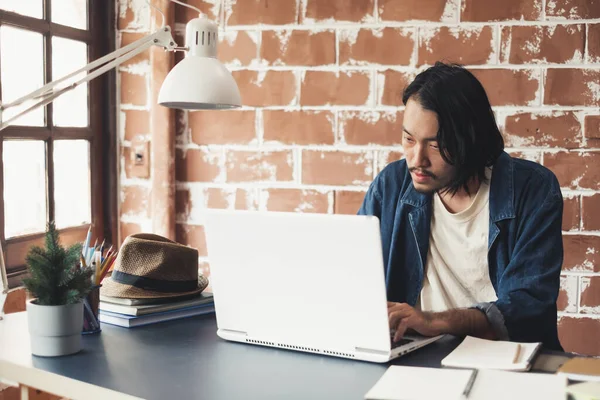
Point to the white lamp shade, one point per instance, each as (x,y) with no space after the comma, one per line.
(199,83)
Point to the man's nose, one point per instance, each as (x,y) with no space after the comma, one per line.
(420,157)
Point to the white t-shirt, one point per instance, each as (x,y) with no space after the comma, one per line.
(456,271)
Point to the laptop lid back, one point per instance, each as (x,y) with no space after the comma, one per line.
(307,280)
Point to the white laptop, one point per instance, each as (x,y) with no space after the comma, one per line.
(307,282)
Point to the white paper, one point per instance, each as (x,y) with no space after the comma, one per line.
(502,385)
(490,354)
(411,383)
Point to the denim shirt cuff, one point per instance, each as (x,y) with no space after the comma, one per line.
(495,318)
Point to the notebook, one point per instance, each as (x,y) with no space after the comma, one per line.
(144,309)
(584,391)
(581,369)
(492,354)
(411,383)
(129,321)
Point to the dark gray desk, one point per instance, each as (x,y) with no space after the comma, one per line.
(185,359)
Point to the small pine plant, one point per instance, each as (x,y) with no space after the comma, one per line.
(55,278)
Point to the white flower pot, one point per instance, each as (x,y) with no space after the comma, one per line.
(55,330)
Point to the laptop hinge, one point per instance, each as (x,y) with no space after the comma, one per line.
(230,332)
(371,351)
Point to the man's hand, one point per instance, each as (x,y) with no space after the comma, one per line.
(403,317)
(459,322)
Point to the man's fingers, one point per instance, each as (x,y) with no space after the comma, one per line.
(391,304)
(400,330)
(399,313)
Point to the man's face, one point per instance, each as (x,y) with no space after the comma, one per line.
(428,169)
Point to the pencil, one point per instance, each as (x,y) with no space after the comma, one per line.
(517,353)
(86,244)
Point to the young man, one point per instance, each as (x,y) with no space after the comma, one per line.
(471,237)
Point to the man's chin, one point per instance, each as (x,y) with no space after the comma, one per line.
(424,189)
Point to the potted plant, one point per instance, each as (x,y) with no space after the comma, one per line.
(58,286)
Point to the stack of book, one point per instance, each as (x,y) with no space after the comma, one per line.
(130,313)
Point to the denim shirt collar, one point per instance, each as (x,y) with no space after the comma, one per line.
(501,191)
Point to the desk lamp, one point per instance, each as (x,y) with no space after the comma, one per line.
(198,82)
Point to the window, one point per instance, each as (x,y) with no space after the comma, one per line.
(58,161)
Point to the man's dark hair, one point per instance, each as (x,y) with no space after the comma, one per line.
(468,136)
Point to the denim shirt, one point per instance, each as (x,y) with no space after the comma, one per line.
(525,250)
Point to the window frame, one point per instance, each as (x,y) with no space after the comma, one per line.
(101,134)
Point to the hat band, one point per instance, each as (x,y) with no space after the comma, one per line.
(155,285)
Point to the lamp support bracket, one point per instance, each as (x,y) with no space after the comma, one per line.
(47,93)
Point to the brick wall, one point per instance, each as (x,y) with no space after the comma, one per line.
(321,83)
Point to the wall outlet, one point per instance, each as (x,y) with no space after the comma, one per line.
(138,162)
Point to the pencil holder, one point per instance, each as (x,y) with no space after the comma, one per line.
(91,304)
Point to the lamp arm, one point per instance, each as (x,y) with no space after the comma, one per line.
(162,38)
(3,283)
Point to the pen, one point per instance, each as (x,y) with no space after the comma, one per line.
(470,383)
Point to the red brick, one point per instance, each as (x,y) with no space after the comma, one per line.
(310,201)
(299,127)
(250,166)
(575,170)
(543,44)
(394,83)
(510,87)
(571,213)
(482,11)
(217,198)
(335,88)
(572,87)
(136,123)
(336,168)
(362,46)
(129,228)
(348,202)
(567,295)
(592,130)
(129,37)
(580,335)
(133,89)
(418,10)
(240,199)
(268,12)
(371,127)
(185,14)
(554,129)
(590,209)
(387,156)
(136,201)
(593,42)
(194,165)
(245,200)
(590,293)
(193,236)
(298,47)
(338,10)
(132,17)
(573,9)
(461,45)
(272,88)
(222,126)
(535,156)
(582,253)
(237,47)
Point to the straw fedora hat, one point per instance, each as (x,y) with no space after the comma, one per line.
(151,266)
